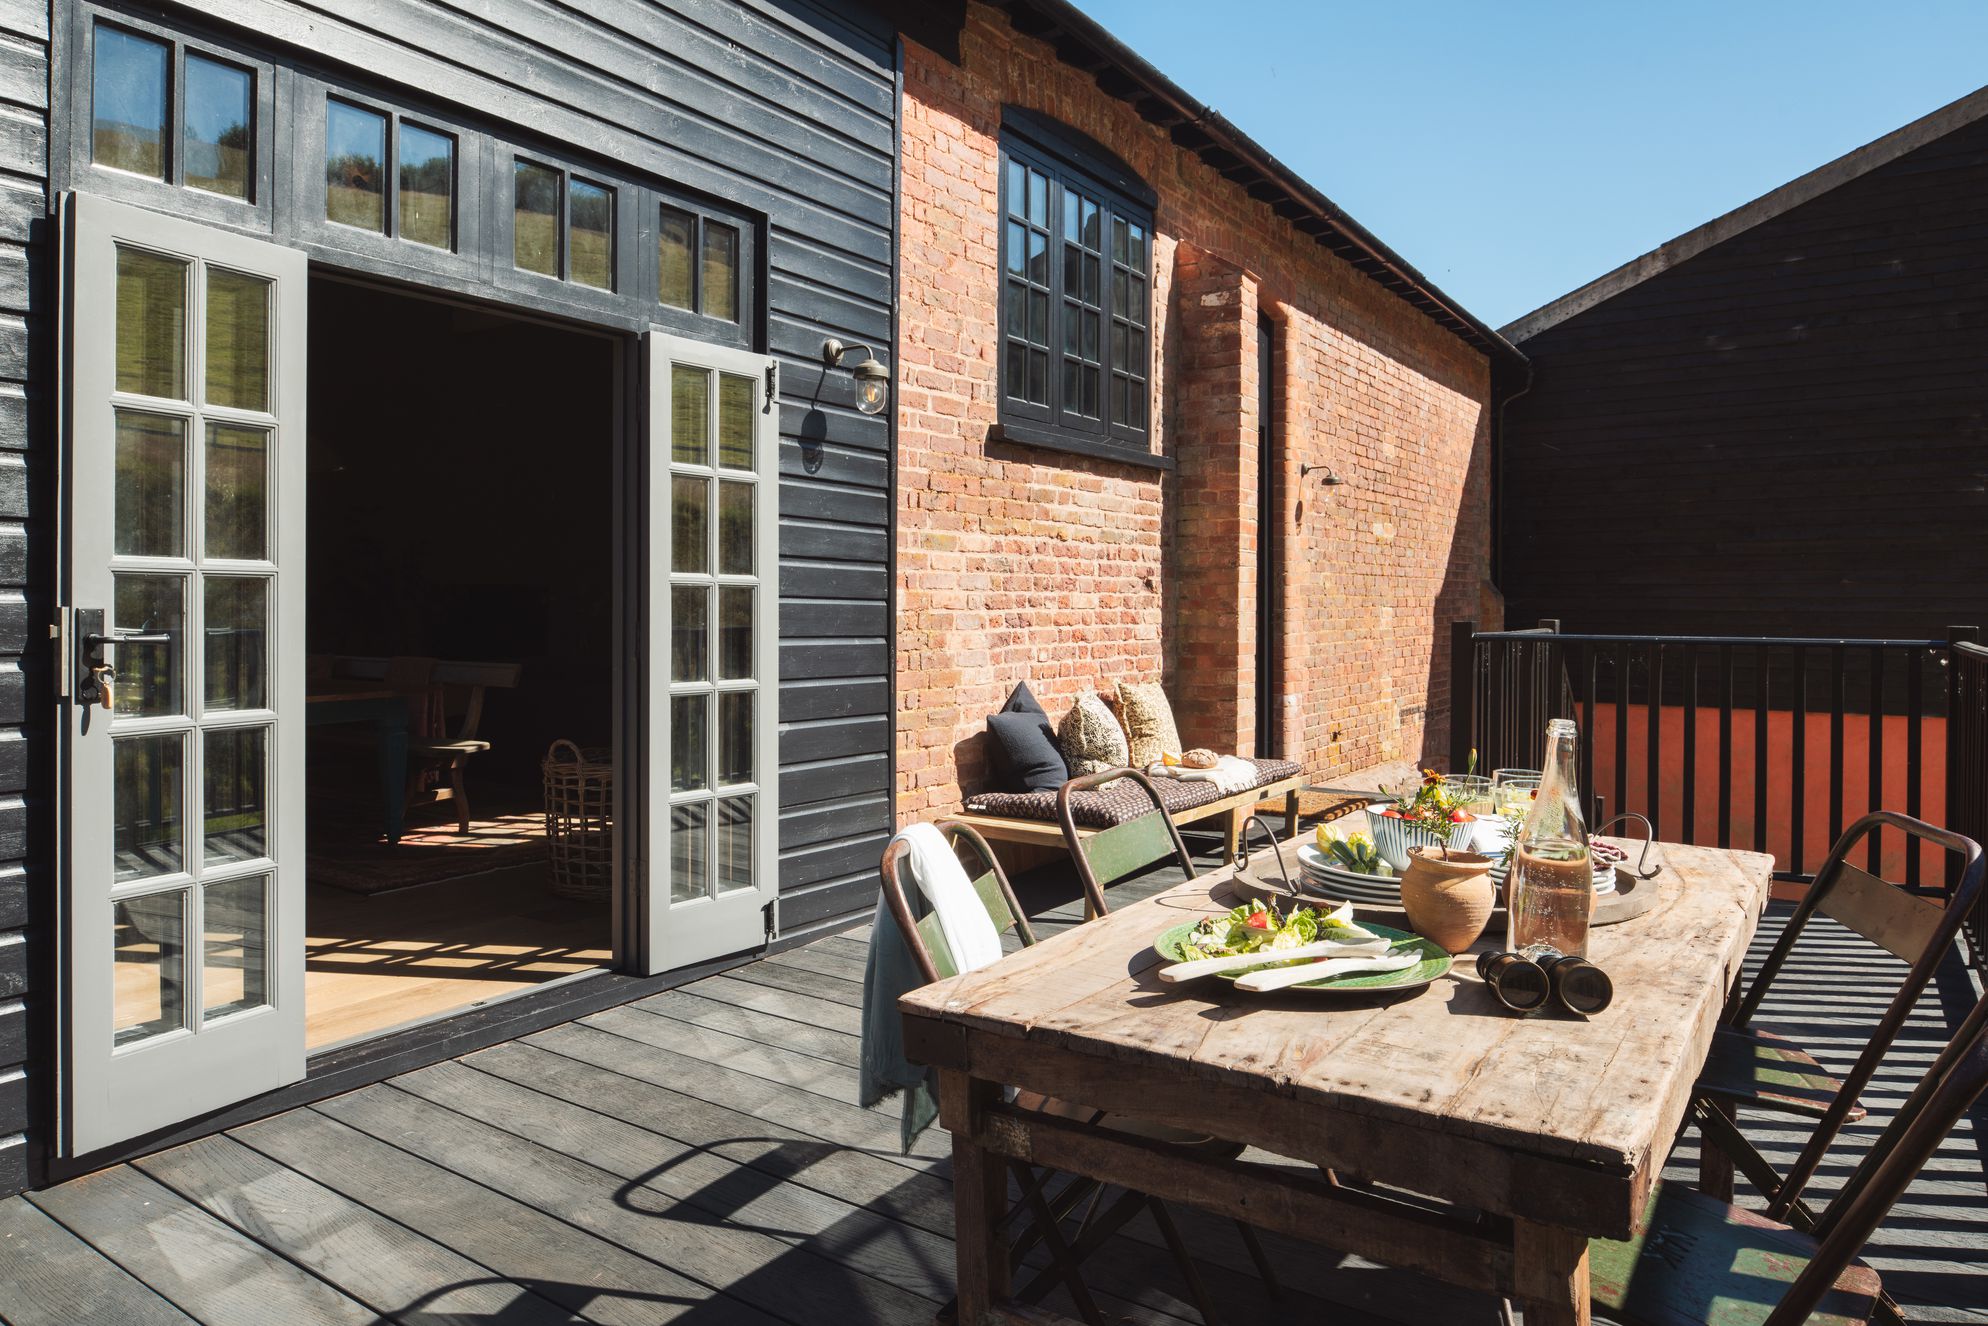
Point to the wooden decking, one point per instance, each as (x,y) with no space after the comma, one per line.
(697,1157)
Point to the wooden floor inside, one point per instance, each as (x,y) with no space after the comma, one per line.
(697,1157)
(383,960)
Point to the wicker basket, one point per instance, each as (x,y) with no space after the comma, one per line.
(579,820)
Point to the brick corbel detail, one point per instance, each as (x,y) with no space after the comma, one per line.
(1213,546)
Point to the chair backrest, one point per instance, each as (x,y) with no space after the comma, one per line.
(1108,855)
(409,674)
(1915,930)
(1956,1080)
(922,933)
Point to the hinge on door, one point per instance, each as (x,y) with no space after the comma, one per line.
(772,387)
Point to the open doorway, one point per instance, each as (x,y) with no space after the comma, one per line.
(461,588)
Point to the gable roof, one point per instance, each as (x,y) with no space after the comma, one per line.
(1821,180)
(1083,43)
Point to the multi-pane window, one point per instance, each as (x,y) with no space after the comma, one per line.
(562,225)
(364,190)
(204,139)
(1076,270)
(697,265)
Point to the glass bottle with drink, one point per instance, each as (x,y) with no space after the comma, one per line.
(1552,881)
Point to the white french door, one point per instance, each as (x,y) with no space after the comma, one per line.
(183,564)
(712,774)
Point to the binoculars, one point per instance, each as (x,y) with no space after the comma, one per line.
(1524,983)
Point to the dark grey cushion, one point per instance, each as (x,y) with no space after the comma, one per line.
(1021,746)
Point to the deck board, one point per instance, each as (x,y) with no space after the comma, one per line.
(698,1156)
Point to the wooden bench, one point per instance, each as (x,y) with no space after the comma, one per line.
(1232,810)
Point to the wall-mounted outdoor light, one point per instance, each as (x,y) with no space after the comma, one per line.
(872,378)
(1331,480)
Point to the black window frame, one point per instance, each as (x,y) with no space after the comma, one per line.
(288,202)
(1071,164)
(72,159)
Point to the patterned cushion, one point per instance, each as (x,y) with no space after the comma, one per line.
(1119,801)
(1091,738)
(1149,725)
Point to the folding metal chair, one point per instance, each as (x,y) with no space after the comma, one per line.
(935,961)
(1758,1070)
(1696,1252)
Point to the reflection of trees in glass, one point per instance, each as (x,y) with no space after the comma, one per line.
(690,504)
(427,183)
(689,632)
(149,486)
(237,340)
(237,492)
(151,324)
(535,218)
(221,166)
(592,235)
(675,274)
(128,100)
(354,191)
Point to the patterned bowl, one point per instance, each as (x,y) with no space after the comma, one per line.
(1393,836)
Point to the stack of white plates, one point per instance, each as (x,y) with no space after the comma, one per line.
(1604,876)
(1323,875)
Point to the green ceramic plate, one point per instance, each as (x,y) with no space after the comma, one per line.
(1172,946)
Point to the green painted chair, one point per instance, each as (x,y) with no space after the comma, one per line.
(1700,1262)
(1049,1211)
(1757,1070)
(1105,856)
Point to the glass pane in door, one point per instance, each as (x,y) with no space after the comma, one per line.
(234,927)
(735,632)
(735,737)
(735,528)
(151,324)
(690,633)
(734,844)
(237,642)
(690,416)
(148,516)
(689,748)
(690,513)
(148,681)
(235,795)
(237,340)
(147,793)
(237,492)
(690,851)
(735,422)
(148,993)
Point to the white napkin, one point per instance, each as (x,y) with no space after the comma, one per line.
(1230,775)
(963,919)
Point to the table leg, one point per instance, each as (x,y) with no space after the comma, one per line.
(1550,1274)
(980,1198)
(1715,1167)
(393,770)
(1291,814)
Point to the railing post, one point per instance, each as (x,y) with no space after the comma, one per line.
(1956,816)
(1463,690)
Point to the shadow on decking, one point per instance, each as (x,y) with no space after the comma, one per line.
(696,1157)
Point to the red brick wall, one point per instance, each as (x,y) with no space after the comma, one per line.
(1070,572)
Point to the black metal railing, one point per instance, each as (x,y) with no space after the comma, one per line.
(1967,767)
(1768,743)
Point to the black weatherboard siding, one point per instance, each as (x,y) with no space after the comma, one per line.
(781,109)
(1785,433)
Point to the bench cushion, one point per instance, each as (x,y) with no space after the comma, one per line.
(1124,800)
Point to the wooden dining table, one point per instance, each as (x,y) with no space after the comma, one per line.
(1435,1131)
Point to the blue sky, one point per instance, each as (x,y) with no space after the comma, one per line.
(1514,151)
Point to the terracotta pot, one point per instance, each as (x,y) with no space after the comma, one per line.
(1448,900)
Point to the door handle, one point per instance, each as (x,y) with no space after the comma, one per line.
(94,642)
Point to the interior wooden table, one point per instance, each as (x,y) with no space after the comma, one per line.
(1531,1134)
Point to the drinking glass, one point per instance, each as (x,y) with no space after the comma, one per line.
(1512,797)
(1472,791)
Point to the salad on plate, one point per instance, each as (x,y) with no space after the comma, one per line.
(1305,944)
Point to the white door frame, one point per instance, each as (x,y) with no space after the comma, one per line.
(113,1092)
(678,933)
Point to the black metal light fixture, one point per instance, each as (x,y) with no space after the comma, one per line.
(872,378)
(1331,480)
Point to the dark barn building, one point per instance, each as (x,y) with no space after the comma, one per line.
(1776,424)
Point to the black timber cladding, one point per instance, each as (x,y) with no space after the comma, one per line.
(780,108)
(1785,433)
